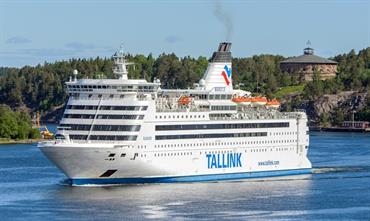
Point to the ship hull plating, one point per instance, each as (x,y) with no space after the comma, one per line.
(84,164)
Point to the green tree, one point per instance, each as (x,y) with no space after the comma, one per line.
(315,88)
(8,123)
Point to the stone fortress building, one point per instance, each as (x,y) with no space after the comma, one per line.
(305,65)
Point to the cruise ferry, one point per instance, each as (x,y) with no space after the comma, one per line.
(117,131)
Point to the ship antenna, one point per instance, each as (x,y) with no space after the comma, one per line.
(75,72)
(121,64)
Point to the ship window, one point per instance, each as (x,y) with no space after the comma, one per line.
(59,137)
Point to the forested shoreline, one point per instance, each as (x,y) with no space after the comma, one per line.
(16,125)
(41,88)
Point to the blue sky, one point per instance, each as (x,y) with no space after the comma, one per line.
(34,31)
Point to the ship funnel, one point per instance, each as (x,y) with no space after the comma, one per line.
(218,76)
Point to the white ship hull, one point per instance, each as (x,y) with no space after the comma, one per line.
(202,160)
(90,169)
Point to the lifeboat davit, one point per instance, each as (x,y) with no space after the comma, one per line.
(273,103)
(184,100)
(242,100)
(258,101)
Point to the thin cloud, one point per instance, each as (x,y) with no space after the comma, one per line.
(79,46)
(17,40)
(34,56)
(172,39)
(46,52)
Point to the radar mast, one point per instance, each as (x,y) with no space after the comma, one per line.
(121,64)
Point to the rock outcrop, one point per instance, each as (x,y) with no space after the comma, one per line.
(347,102)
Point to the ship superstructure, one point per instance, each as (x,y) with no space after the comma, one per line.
(123,130)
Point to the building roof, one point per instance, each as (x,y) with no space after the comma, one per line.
(308,58)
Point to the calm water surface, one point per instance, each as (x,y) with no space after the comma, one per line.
(31,188)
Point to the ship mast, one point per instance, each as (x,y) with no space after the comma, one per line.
(121,64)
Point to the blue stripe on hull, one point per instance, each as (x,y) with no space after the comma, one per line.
(193,178)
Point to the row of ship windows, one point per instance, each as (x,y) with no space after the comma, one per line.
(220,97)
(223,108)
(102,137)
(134,137)
(173,154)
(128,87)
(211,96)
(256,150)
(221,126)
(284,133)
(178,116)
(218,107)
(101,127)
(103,107)
(94,96)
(188,153)
(104,116)
(223,143)
(200,136)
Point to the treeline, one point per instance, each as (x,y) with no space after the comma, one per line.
(41,87)
(16,124)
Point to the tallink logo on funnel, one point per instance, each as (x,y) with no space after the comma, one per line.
(226,73)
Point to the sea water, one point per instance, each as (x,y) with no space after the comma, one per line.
(32,188)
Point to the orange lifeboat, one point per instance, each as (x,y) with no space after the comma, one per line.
(273,103)
(258,101)
(242,100)
(184,100)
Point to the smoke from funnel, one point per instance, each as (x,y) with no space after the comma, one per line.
(224,18)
